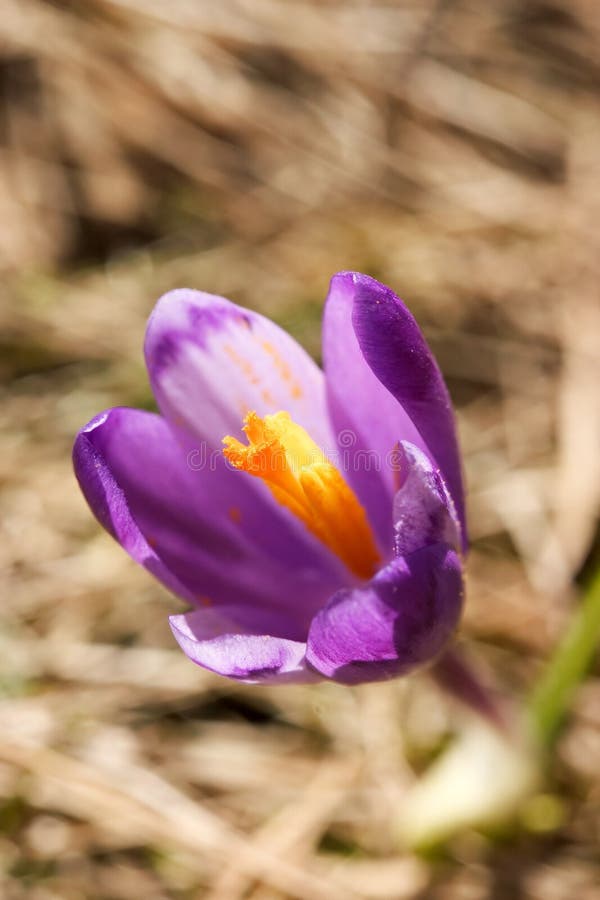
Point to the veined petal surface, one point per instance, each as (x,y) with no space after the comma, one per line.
(243,645)
(211,362)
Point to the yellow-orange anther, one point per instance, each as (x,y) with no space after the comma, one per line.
(303,480)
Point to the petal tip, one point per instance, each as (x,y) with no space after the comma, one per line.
(96,422)
(367,288)
(84,440)
(213,641)
(347,278)
(183,316)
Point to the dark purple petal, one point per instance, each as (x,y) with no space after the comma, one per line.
(238,642)
(198,530)
(383,385)
(210,362)
(424,512)
(107,501)
(403,618)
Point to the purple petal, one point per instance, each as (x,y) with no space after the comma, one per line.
(403,618)
(210,362)
(423,509)
(196,529)
(383,385)
(236,642)
(107,501)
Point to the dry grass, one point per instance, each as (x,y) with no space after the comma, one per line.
(252,149)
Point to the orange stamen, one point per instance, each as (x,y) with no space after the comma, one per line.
(303,480)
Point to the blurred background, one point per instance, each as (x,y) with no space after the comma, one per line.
(252,148)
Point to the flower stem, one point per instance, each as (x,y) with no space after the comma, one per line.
(456,674)
(551,697)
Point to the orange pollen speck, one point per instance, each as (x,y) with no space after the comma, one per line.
(303,480)
(235,514)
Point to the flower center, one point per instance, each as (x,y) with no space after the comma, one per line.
(303,480)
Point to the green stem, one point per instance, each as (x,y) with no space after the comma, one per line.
(572,659)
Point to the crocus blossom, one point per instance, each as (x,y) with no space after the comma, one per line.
(312,520)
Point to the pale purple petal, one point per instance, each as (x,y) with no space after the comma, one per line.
(402,619)
(423,510)
(196,529)
(235,642)
(384,386)
(210,362)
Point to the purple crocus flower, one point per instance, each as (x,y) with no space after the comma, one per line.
(313,520)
